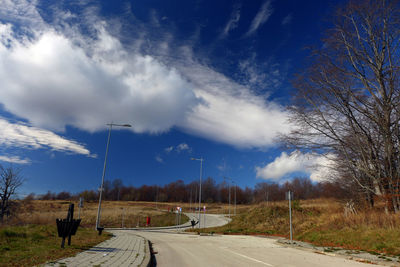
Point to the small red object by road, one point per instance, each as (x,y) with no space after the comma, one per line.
(148,221)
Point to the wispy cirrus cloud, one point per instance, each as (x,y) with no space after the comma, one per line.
(169,149)
(14,159)
(21,135)
(21,12)
(261,17)
(232,22)
(159,159)
(179,148)
(183,147)
(287,19)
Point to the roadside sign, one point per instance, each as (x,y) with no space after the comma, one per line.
(289,194)
(80,205)
(204,208)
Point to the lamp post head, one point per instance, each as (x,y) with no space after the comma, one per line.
(119,125)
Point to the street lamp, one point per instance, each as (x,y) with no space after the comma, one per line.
(98,228)
(201,167)
(229,194)
(235,196)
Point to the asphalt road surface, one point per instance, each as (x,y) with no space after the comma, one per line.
(174,249)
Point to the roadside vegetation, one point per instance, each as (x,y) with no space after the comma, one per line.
(113,213)
(322,222)
(30,245)
(29,236)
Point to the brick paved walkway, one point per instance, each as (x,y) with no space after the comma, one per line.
(124,249)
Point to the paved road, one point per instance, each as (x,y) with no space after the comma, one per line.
(195,250)
(124,249)
(175,249)
(128,248)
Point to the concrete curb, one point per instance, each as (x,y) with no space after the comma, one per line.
(147,258)
(363,257)
(152,228)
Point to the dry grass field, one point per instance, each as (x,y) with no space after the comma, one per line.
(113,213)
(321,222)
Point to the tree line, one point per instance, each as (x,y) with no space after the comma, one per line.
(212,192)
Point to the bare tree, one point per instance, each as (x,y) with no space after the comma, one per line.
(10,181)
(348,101)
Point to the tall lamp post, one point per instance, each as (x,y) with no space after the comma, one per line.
(235,196)
(229,194)
(201,167)
(98,228)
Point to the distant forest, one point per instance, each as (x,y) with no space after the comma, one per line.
(212,192)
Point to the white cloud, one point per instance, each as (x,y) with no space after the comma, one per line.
(319,167)
(179,148)
(14,159)
(287,20)
(60,77)
(231,113)
(51,73)
(182,147)
(169,149)
(21,11)
(222,166)
(232,22)
(25,136)
(159,159)
(261,17)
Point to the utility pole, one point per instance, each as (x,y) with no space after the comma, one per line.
(190,205)
(229,195)
(229,186)
(204,216)
(235,198)
(156,195)
(201,167)
(123,217)
(290,196)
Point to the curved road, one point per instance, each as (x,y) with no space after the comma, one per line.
(185,249)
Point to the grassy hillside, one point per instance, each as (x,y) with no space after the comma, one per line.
(321,222)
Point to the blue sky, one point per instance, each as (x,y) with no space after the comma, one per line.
(194,78)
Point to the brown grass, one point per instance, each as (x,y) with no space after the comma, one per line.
(321,222)
(113,213)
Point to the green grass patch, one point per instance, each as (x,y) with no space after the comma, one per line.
(35,244)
